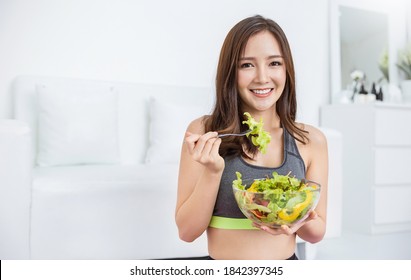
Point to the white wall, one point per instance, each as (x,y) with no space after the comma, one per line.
(153,41)
(408,19)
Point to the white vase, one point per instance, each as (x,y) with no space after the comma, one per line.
(406,91)
(391,93)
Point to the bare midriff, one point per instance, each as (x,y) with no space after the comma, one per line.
(232,244)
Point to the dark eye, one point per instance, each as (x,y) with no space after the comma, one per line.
(246,65)
(276,63)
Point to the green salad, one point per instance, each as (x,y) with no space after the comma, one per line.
(276,201)
(259,137)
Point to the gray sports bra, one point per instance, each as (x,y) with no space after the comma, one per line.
(226,214)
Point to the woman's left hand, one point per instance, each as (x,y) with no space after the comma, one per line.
(284,229)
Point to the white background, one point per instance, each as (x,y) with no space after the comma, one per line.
(153,41)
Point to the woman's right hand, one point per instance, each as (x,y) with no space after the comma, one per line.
(204,149)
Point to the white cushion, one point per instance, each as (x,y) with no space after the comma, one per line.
(133,109)
(77,125)
(168,123)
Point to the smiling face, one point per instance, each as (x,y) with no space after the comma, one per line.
(261,73)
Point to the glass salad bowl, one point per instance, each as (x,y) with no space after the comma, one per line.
(281,200)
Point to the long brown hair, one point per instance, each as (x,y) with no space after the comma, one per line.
(227,114)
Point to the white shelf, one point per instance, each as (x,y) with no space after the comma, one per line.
(376,164)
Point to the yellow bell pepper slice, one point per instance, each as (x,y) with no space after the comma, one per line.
(297,209)
(253,187)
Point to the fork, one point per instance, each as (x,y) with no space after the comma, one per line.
(235,134)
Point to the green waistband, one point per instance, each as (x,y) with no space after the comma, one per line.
(231,223)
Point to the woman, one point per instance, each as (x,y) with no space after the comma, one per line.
(255,74)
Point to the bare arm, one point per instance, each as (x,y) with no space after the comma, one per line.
(317,170)
(200,173)
(315,155)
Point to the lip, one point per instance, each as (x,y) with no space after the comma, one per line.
(261,92)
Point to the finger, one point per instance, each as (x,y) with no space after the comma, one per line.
(286,230)
(216,146)
(190,140)
(273,231)
(313,215)
(256,225)
(208,147)
(192,137)
(211,149)
(201,142)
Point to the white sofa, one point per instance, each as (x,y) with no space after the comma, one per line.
(89,170)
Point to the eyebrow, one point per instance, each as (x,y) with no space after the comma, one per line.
(269,57)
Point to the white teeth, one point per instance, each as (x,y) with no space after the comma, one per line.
(261,91)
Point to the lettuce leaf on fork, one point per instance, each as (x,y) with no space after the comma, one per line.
(259,137)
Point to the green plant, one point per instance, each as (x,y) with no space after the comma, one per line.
(383,65)
(404,61)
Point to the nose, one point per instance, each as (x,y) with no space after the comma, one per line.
(262,75)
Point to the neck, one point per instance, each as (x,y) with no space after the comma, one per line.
(270,118)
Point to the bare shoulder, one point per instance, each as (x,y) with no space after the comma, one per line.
(197,126)
(315,152)
(315,135)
